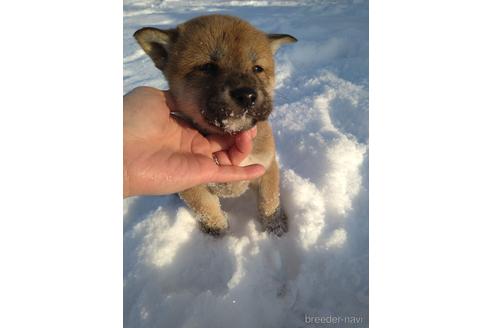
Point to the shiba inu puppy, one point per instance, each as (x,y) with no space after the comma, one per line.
(220,71)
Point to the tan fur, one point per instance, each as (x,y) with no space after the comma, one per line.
(233,47)
(207,206)
(230,189)
(263,147)
(268,192)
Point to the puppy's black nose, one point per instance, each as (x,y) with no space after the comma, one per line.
(244,97)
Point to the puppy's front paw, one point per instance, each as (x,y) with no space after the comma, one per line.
(276,223)
(214,230)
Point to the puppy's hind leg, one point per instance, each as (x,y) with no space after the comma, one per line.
(272,216)
(207,206)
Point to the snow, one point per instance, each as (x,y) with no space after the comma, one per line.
(176,276)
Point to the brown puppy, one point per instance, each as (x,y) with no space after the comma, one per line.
(220,71)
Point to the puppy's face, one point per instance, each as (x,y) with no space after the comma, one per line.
(220,70)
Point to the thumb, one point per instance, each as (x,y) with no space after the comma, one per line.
(229,173)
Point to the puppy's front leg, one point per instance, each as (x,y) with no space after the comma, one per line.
(207,206)
(272,216)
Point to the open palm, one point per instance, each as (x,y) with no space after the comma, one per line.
(164,155)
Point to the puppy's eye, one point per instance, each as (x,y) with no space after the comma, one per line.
(209,68)
(257,69)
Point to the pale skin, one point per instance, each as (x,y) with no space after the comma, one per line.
(164,155)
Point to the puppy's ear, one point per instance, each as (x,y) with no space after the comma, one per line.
(277,40)
(156,43)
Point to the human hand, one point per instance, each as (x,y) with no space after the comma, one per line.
(163,155)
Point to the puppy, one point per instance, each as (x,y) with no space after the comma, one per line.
(220,71)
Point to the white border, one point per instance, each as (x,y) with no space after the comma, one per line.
(60,168)
(430,166)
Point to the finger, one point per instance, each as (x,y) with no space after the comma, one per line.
(199,144)
(229,173)
(222,158)
(220,142)
(241,149)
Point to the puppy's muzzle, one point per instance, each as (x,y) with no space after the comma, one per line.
(236,103)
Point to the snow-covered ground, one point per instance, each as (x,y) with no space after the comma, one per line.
(175,276)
